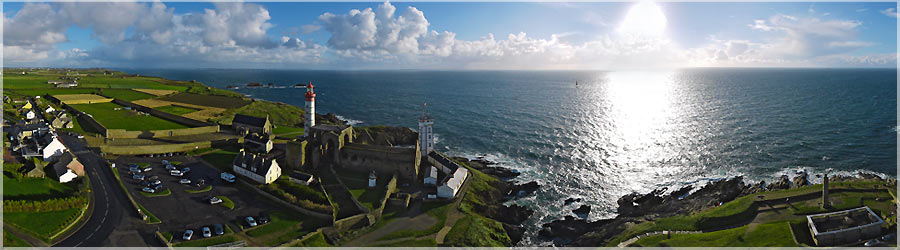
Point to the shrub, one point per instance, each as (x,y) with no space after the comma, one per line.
(44,205)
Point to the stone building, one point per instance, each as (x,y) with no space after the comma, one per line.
(844,227)
(257,167)
(245,124)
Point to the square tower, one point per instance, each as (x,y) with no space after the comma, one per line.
(426,135)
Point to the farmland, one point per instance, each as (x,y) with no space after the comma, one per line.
(110,118)
(175,109)
(125,94)
(207,100)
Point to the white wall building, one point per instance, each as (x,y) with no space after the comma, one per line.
(453,184)
(53,149)
(256,167)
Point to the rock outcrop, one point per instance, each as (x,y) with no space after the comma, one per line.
(800,180)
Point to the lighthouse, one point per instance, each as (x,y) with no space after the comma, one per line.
(426,136)
(310,109)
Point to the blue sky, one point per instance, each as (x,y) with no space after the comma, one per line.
(465,35)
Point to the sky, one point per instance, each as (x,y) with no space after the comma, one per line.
(461,35)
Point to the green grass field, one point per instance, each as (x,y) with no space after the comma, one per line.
(285,130)
(207,100)
(226,202)
(130,120)
(54,91)
(126,94)
(199,241)
(12,81)
(127,83)
(176,110)
(316,240)
(280,114)
(36,188)
(774,234)
(42,224)
(370,198)
(11,240)
(220,159)
(437,210)
(284,227)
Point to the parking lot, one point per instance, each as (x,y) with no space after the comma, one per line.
(183,210)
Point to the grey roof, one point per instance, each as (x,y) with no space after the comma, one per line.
(444,161)
(301,176)
(249,120)
(59,167)
(326,127)
(253,160)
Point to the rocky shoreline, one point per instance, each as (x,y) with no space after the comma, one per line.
(637,208)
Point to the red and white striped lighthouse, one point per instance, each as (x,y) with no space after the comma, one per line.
(310,109)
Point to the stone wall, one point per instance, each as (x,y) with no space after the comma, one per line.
(163,115)
(295,155)
(385,160)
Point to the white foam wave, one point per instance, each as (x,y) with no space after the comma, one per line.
(349,121)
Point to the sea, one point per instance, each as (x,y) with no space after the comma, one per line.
(598,135)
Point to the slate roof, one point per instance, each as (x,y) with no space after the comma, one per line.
(249,120)
(59,167)
(250,159)
(444,161)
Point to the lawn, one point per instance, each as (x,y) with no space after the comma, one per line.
(175,109)
(166,192)
(437,210)
(202,242)
(284,130)
(36,188)
(126,94)
(429,242)
(370,198)
(220,159)
(316,240)
(11,240)
(284,227)
(773,234)
(226,202)
(127,83)
(130,120)
(280,114)
(26,81)
(42,224)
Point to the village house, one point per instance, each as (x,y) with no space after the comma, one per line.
(245,124)
(67,168)
(61,120)
(67,84)
(456,174)
(259,144)
(256,167)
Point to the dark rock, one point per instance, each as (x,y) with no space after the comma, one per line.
(755,188)
(569,228)
(519,190)
(801,180)
(583,209)
(500,172)
(571,200)
(783,183)
(868,176)
(513,214)
(515,233)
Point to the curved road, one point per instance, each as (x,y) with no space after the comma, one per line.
(109,199)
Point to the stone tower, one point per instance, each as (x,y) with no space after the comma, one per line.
(825,202)
(426,135)
(310,109)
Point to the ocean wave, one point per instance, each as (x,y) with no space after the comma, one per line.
(349,121)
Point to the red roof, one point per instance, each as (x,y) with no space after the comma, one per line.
(309,85)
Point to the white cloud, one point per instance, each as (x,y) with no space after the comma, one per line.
(891,12)
(310,28)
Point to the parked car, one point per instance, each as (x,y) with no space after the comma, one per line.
(188,234)
(165,162)
(176,173)
(185,170)
(170,167)
(149,190)
(872,243)
(138,177)
(220,230)
(153,182)
(185,181)
(262,219)
(147,169)
(206,232)
(432,196)
(158,187)
(250,221)
(214,200)
(132,165)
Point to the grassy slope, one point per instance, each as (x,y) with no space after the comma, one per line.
(284,227)
(177,110)
(42,224)
(773,234)
(475,229)
(38,188)
(316,240)
(11,240)
(280,114)
(125,119)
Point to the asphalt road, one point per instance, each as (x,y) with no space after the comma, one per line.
(109,199)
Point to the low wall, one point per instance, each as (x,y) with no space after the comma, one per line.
(390,189)
(84,120)
(121,133)
(287,204)
(351,222)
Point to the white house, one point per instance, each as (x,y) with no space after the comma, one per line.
(256,167)
(29,115)
(452,186)
(53,148)
(431,177)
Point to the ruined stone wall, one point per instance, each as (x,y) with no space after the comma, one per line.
(382,159)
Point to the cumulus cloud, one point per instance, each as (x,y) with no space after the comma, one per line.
(891,12)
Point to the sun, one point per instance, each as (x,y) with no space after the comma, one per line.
(644,18)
